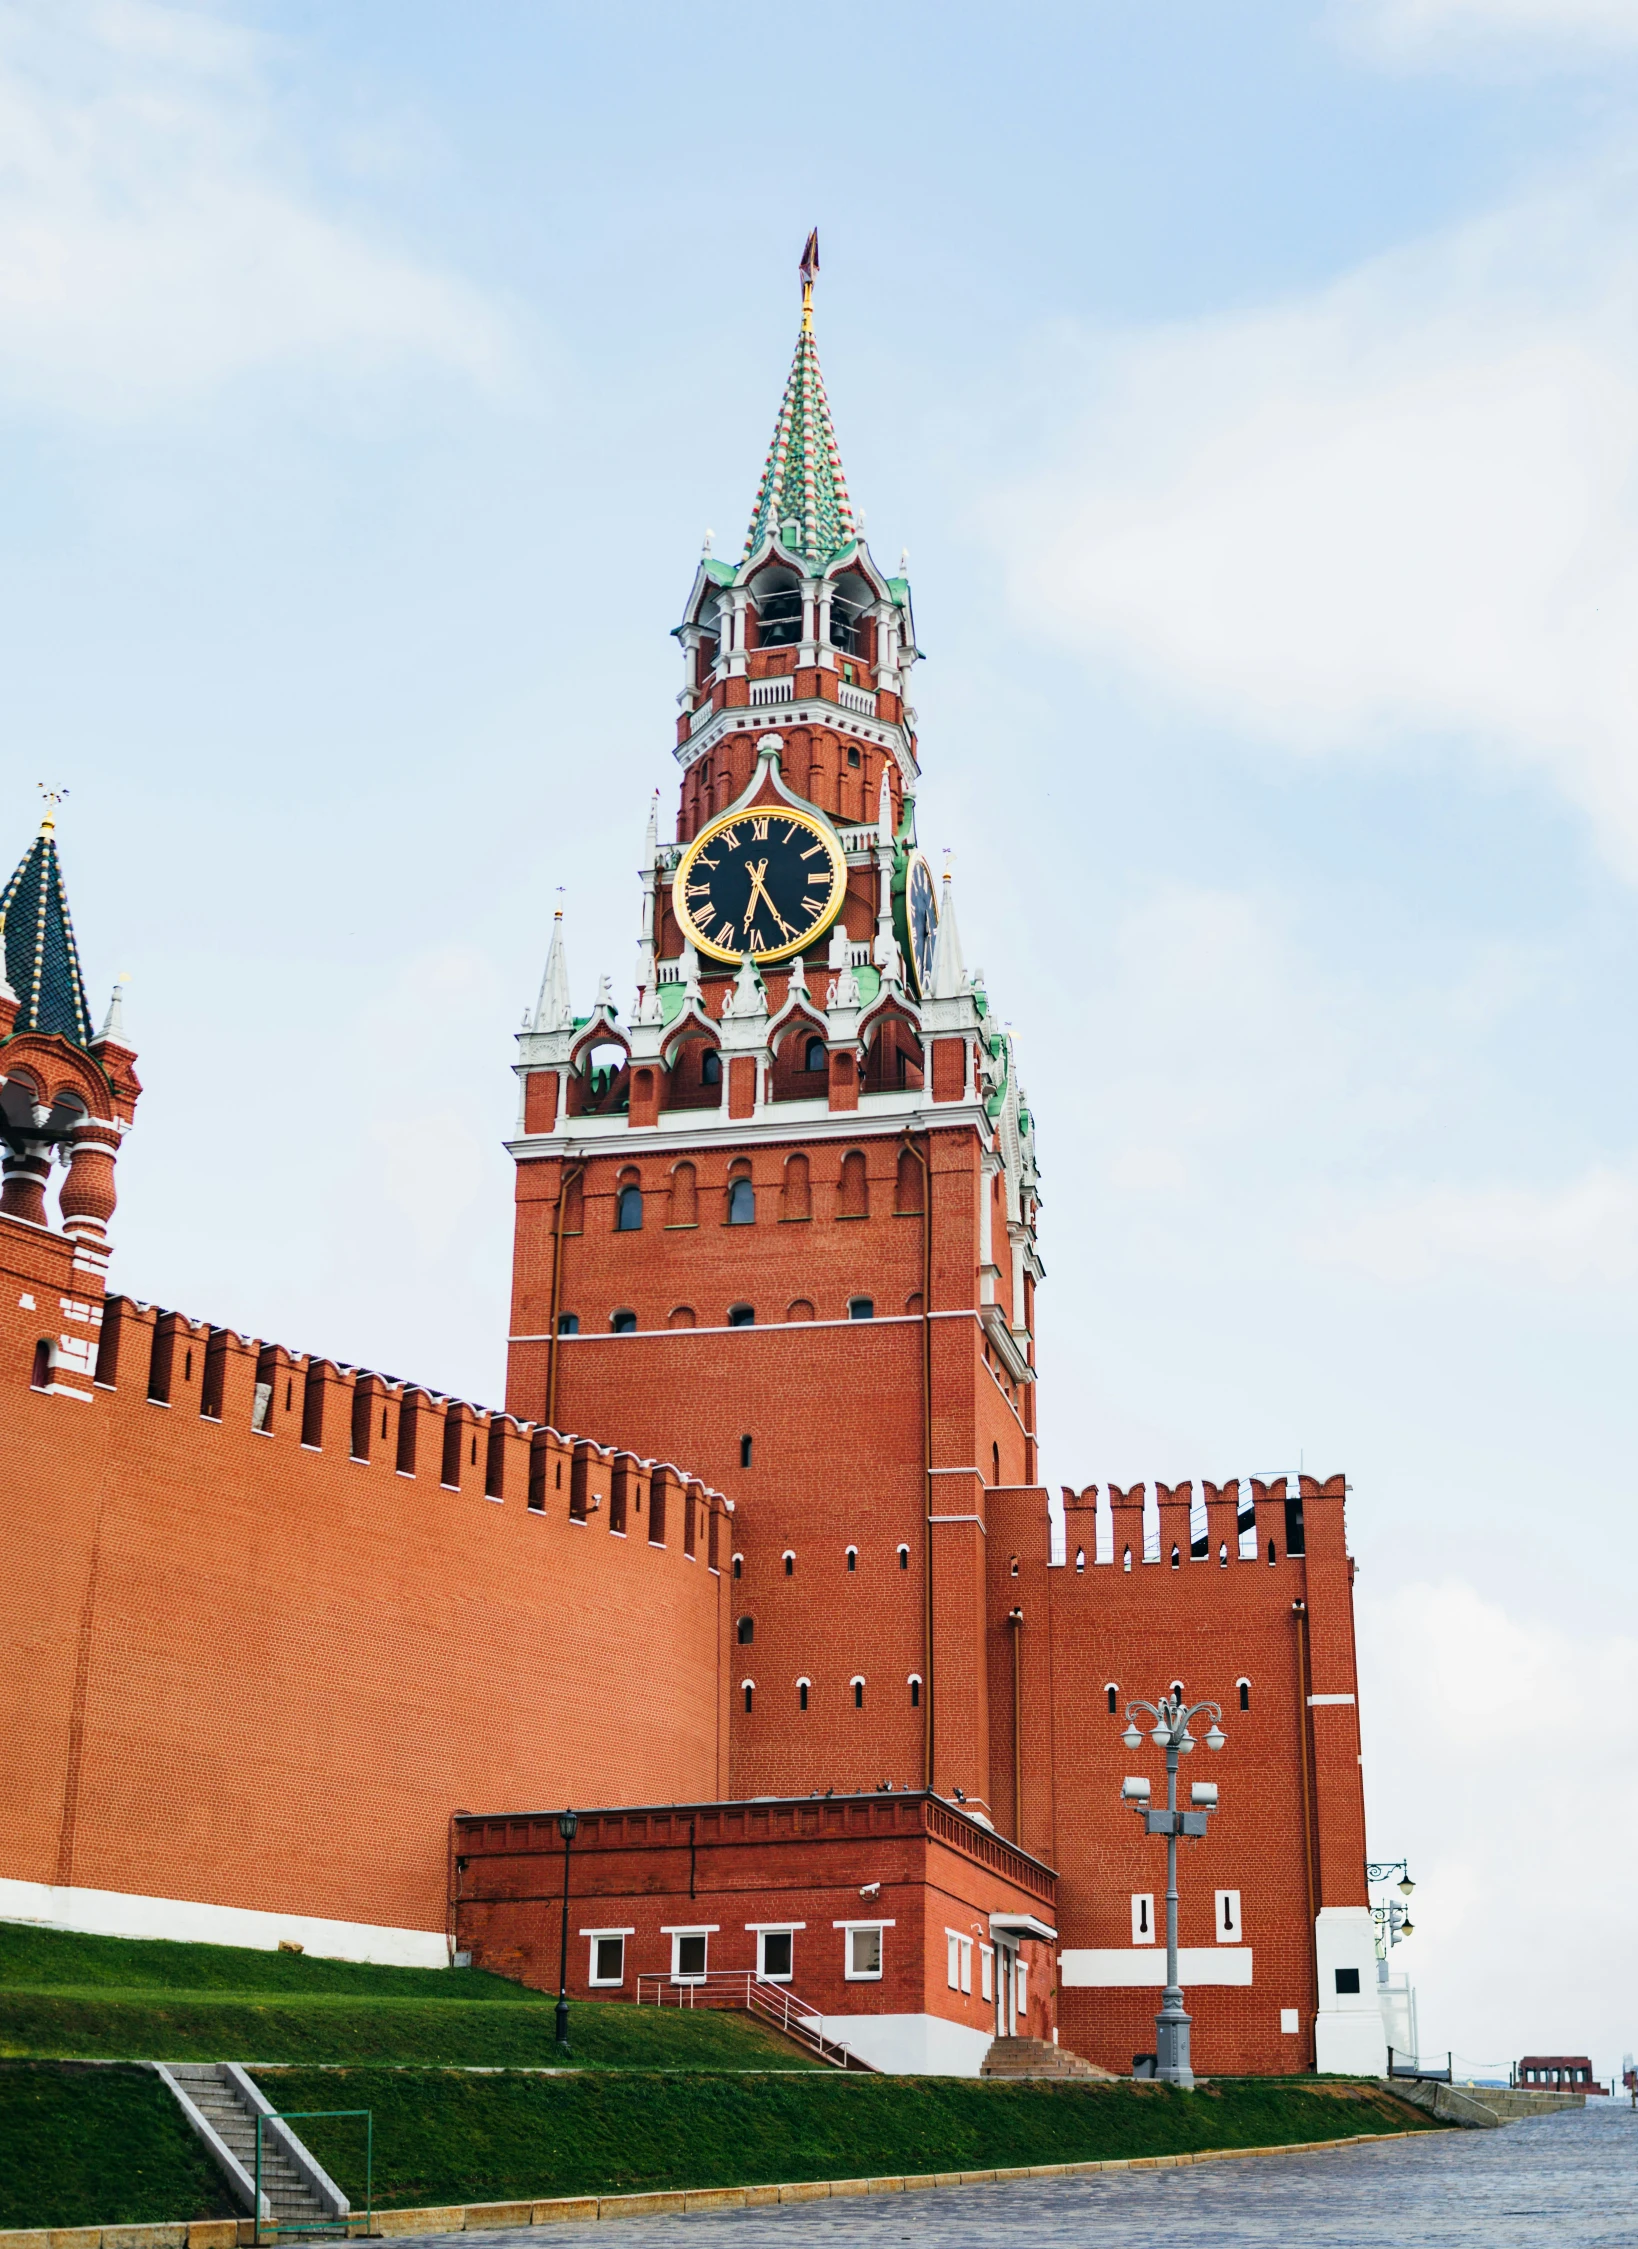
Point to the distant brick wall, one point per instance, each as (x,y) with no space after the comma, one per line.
(246,1669)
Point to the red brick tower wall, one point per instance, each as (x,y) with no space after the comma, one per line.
(240,1665)
(1290,1834)
(834,1411)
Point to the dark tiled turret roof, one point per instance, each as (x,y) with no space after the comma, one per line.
(42,965)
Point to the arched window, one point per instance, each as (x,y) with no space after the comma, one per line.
(745,1452)
(850,597)
(1113,1692)
(907,1185)
(1177,1689)
(624,1323)
(739,1565)
(813,1057)
(1126,1559)
(681,1316)
(861,1308)
(628,1211)
(1176,1559)
(568,1323)
(799,1309)
(796,1194)
(711,1067)
(684,1197)
(778,598)
(741,1316)
(858,1693)
(1080,1561)
(40,1379)
(748,1690)
(802,1687)
(915,1690)
(790,1563)
(995,1464)
(1013,1571)
(853,1557)
(746,1630)
(853,1192)
(1245,1694)
(741,1202)
(904,1557)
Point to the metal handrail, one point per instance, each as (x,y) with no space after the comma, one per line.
(343,2219)
(1445,2076)
(775,2003)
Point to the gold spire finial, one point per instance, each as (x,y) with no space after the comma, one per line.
(48,818)
(809,267)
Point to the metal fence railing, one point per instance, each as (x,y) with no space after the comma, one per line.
(773,2003)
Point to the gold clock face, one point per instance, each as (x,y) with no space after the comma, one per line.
(765,882)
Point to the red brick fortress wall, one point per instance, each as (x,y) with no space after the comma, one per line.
(1289,1838)
(242,1665)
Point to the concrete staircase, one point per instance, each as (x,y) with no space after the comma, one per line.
(221,2104)
(1037,2057)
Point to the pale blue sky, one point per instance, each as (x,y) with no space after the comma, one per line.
(1256,390)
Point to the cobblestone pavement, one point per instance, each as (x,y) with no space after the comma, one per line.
(1561,2182)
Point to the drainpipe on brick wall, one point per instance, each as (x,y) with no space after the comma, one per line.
(1016,1622)
(1299,1610)
(920,1155)
(568,1173)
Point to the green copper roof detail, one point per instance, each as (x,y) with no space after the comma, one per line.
(803,493)
(42,965)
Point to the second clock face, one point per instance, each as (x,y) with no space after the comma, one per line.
(921,917)
(766,882)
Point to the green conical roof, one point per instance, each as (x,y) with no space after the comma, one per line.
(803,493)
(42,965)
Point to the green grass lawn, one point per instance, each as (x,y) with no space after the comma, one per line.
(115,1997)
(441,2137)
(99,2147)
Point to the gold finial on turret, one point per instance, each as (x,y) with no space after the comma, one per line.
(809,267)
(48,818)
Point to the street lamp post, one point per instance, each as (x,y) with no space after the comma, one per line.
(567,1825)
(1171,1717)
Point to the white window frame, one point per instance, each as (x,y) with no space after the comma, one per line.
(1141,1900)
(676,1932)
(1021,1993)
(1226,1923)
(763,1929)
(967,1966)
(986,1971)
(594,1981)
(850,1929)
(952,1960)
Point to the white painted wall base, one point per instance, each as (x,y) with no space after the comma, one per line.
(1143,1967)
(116,1913)
(1348,2030)
(912,2045)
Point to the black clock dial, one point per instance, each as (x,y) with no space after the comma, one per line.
(765,882)
(921,915)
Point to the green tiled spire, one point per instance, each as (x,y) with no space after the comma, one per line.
(803,493)
(41,964)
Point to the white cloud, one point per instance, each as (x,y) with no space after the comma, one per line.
(1581,1234)
(1407,29)
(156,239)
(1404,507)
(1488,1741)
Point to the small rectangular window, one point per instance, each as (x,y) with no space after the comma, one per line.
(775,1948)
(864,1955)
(1347,1979)
(608,1960)
(967,1964)
(952,1960)
(986,1971)
(1022,1973)
(688,1959)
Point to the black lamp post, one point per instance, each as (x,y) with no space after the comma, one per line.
(567,1826)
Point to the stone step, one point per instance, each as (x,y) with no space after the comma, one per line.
(1037,2057)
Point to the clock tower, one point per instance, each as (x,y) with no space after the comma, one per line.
(778,1220)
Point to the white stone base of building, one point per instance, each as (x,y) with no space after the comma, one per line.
(118,1913)
(912,2045)
(1349,2038)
